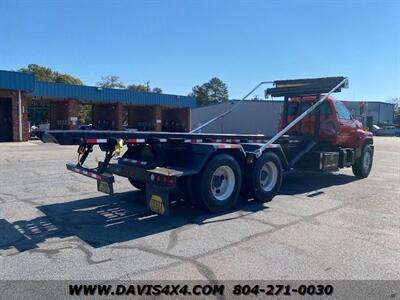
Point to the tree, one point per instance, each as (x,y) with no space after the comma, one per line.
(201,94)
(156,90)
(85,114)
(48,75)
(213,91)
(111,81)
(38,110)
(68,79)
(144,88)
(137,87)
(396,102)
(41,73)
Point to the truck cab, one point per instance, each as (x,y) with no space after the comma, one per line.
(336,125)
(333,139)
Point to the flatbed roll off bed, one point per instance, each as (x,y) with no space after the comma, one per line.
(213,169)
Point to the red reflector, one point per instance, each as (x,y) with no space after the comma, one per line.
(91,141)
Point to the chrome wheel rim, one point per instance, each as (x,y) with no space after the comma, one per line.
(268,176)
(222,183)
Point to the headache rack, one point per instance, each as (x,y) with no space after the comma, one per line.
(306,87)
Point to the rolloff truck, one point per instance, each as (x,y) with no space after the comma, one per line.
(317,133)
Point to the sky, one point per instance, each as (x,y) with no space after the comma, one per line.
(177,44)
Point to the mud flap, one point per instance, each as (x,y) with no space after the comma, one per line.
(105,187)
(157,199)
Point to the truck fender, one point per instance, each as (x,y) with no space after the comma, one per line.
(204,152)
(363,138)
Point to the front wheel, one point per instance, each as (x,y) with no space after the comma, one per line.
(218,185)
(363,165)
(266,177)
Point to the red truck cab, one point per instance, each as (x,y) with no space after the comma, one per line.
(332,129)
(337,126)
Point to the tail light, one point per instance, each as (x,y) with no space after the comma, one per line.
(162,179)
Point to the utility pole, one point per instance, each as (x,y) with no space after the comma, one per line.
(148,86)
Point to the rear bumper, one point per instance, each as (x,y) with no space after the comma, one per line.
(158,176)
(104,180)
(159,182)
(92,173)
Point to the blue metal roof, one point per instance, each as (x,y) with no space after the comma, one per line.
(105,95)
(26,82)
(17,81)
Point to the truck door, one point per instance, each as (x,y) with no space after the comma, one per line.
(307,125)
(346,124)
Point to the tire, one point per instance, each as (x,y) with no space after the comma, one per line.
(140,185)
(363,165)
(266,177)
(218,185)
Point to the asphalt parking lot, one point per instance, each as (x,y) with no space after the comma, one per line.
(55,225)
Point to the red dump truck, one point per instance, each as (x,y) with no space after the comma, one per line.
(317,133)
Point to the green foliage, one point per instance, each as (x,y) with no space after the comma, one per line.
(41,73)
(137,87)
(213,91)
(85,114)
(143,88)
(156,90)
(38,110)
(48,75)
(68,79)
(111,82)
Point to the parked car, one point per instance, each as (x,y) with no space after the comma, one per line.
(387,130)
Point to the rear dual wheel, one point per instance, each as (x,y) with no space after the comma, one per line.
(217,187)
(265,178)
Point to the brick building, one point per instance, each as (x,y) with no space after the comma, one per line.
(145,111)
